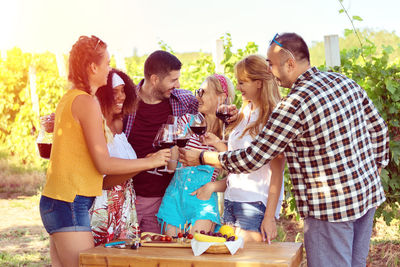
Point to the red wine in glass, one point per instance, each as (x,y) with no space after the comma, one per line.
(222,113)
(223,116)
(200,130)
(166,144)
(44,150)
(181,142)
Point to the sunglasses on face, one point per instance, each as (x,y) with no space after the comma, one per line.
(199,92)
(281,45)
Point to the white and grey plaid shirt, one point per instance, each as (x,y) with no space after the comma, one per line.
(334,141)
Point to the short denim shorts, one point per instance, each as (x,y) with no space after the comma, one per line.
(62,216)
(179,207)
(245,215)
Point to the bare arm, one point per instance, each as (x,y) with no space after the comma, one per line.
(268,225)
(190,157)
(87,113)
(213,140)
(205,192)
(112,180)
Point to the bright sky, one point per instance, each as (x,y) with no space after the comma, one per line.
(185,25)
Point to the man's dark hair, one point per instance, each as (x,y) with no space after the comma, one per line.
(295,44)
(161,63)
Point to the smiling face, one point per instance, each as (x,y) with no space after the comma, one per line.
(278,63)
(163,87)
(249,89)
(101,72)
(208,100)
(119,98)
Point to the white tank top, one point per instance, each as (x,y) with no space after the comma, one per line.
(254,186)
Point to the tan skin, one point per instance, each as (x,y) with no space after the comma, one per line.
(250,92)
(207,106)
(66,246)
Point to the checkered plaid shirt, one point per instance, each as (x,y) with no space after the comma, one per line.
(182,102)
(334,141)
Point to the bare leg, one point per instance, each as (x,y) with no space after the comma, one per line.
(55,259)
(205,225)
(248,235)
(70,244)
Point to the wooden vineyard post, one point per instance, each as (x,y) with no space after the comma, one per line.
(219,56)
(332,51)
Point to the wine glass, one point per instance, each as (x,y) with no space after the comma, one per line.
(172,120)
(166,139)
(182,136)
(156,145)
(198,124)
(222,113)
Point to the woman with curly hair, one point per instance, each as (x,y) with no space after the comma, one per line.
(113,214)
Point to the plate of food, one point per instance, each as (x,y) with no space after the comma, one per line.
(222,242)
(149,239)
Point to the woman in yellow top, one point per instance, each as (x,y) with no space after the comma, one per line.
(80,156)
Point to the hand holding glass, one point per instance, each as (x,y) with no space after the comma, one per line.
(166,139)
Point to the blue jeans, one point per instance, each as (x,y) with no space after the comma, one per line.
(62,216)
(245,215)
(338,243)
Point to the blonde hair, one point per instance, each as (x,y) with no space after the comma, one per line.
(216,84)
(252,68)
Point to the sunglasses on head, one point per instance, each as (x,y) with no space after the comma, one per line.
(199,92)
(98,42)
(281,45)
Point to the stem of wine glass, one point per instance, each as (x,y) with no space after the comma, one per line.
(154,171)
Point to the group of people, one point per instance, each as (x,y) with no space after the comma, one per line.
(99,187)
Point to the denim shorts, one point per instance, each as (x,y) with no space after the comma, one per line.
(62,216)
(245,215)
(179,207)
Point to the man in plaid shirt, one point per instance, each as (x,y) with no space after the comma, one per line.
(335,143)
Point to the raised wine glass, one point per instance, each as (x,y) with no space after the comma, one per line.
(156,145)
(182,136)
(198,124)
(172,120)
(166,139)
(222,113)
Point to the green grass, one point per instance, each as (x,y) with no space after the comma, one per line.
(26,259)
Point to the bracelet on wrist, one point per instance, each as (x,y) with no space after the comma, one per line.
(201,157)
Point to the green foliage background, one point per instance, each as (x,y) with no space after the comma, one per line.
(374,66)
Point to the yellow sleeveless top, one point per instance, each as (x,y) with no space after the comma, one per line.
(71,170)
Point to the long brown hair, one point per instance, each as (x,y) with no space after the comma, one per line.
(84,52)
(255,67)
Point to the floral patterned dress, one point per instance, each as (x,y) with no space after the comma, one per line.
(113,214)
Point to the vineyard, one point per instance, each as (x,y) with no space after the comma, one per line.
(371,66)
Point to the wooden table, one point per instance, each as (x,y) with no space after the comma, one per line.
(253,254)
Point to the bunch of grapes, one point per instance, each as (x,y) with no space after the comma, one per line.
(230,238)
